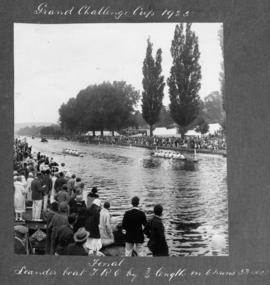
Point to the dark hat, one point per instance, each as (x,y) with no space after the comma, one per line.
(81,235)
(106,205)
(94,190)
(158,209)
(135,201)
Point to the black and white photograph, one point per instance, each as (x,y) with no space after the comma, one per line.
(120,140)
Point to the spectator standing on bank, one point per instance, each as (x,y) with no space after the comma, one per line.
(19,198)
(62,195)
(71,184)
(53,191)
(47,181)
(156,233)
(37,196)
(60,181)
(28,186)
(92,196)
(76,203)
(59,219)
(81,219)
(133,223)
(64,235)
(105,228)
(92,226)
(53,209)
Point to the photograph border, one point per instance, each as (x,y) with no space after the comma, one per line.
(247,73)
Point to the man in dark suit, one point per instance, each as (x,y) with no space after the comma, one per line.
(156,233)
(37,188)
(133,223)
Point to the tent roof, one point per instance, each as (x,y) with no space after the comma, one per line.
(214,128)
(165,132)
(105,133)
(193,133)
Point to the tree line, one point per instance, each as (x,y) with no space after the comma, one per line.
(34,131)
(107,106)
(113,106)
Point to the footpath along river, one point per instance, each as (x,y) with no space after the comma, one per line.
(195,202)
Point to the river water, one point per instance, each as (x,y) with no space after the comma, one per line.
(195,202)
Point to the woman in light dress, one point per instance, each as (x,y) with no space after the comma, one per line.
(19,198)
(28,186)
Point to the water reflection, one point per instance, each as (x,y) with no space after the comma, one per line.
(194,196)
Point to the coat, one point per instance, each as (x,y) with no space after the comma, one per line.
(105,227)
(49,217)
(71,186)
(156,233)
(92,221)
(133,222)
(58,220)
(28,188)
(19,197)
(47,181)
(76,249)
(59,182)
(37,189)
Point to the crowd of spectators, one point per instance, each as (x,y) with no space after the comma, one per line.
(74,226)
(215,142)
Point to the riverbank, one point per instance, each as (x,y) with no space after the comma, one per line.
(121,171)
(94,141)
(187,150)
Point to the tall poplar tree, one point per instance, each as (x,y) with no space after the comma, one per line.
(184,81)
(153,85)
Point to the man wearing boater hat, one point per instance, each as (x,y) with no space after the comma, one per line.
(77,248)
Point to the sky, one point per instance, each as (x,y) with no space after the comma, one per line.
(53,62)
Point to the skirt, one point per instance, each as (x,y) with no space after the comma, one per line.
(19,203)
(93,244)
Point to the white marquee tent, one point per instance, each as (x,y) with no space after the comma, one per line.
(105,134)
(164,132)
